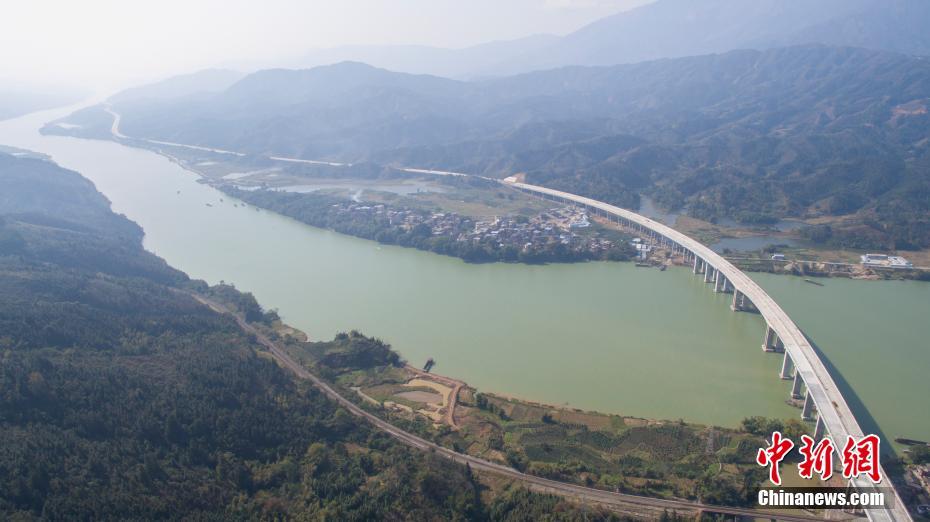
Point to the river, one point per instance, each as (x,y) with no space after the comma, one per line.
(601,336)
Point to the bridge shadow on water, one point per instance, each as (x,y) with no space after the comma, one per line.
(866,421)
(890,461)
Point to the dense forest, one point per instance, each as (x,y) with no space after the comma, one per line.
(121,397)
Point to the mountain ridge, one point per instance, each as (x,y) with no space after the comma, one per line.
(673,29)
(804,131)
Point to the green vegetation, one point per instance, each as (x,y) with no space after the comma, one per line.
(763,427)
(365,221)
(808,131)
(662,459)
(351,351)
(121,397)
(919,454)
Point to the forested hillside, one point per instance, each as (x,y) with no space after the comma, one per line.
(805,132)
(121,397)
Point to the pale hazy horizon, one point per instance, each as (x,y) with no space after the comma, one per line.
(106,44)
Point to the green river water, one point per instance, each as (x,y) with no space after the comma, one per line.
(601,336)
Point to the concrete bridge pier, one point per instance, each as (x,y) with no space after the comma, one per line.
(768,339)
(810,377)
(739,301)
(771,342)
(807,410)
(786,366)
(819,428)
(796,387)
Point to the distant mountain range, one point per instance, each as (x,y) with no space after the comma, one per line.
(16,100)
(800,131)
(200,82)
(690,116)
(667,29)
(466,63)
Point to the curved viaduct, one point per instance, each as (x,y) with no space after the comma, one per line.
(823,401)
(812,381)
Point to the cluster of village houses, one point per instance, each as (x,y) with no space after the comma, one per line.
(564,225)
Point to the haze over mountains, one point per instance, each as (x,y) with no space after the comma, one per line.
(16,100)
(422,59)
(800,131)
(207,80)
(667,29)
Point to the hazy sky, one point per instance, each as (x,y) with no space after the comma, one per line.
(107,43)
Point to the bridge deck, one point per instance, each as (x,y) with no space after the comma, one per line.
(835,413)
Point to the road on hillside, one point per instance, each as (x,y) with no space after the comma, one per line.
(623,502)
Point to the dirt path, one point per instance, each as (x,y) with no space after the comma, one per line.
(453,396)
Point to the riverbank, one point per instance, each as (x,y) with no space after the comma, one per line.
(664,459)
(825,269)
(353,353)
(331,208)
(751,249)
(470,218)
(628,328)
(548,237)
(247,177)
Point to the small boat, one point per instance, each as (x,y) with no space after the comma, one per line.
(209,205)
(643,265)
(811,281)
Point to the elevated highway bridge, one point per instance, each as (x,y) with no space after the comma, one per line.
(811,380)
(823,402)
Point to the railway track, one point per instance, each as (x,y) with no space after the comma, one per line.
(630,504)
